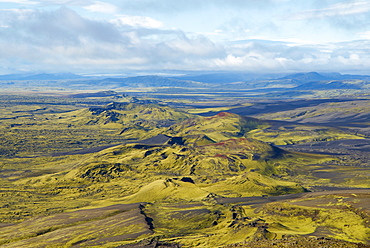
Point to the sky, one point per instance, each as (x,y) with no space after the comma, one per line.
(116,36)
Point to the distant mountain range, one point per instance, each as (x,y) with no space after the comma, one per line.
(315,77)
(227,77)
(225,81)
(148,81)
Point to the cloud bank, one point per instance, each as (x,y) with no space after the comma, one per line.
(62,39)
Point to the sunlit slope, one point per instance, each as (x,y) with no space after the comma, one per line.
(92,227)
(120,122)
(219,158)
(231,156)
(291,133)
(135,173)
(203,223)
(250,221)
(201,182)
(237,167)
(130,120)
(126,116)
(220,127)
(48,133)
(345,112)
(226,125)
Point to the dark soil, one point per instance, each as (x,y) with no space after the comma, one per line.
(262,200)
(150,243)
(299,242)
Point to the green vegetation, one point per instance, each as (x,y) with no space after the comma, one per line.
(75,173)
(301,134)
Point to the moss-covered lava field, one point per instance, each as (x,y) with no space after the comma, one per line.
(119,171)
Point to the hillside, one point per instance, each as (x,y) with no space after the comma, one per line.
(346,112)
(218,127)
(46,129)
(136,173)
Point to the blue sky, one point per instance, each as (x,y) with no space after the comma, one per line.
(114,36)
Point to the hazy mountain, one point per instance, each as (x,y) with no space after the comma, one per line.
(208,81)
(306,77)
(226,77)
(147,81)
(42,76)
(13,76)
(302,78)
(328,85)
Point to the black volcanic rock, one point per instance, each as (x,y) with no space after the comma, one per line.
(161,139)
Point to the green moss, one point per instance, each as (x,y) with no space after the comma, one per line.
(181,181)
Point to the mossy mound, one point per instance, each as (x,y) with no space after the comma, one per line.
(232,156)
(220,127)
(253,184)
(254,149)
(225,168)
(131,119)
(169,190)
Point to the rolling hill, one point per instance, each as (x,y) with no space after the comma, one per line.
(167,178)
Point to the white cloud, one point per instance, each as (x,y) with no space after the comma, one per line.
(102,7)
(198,46)
(335,10)
(137,21)
(64,40)
(278,57)
(18,1)
(365,35)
